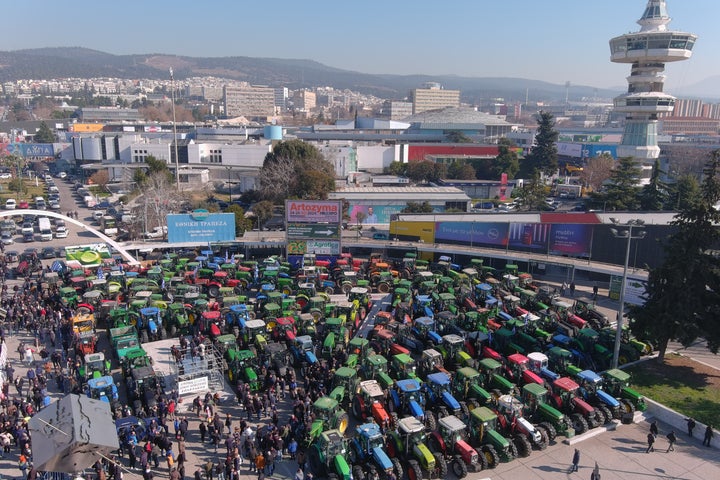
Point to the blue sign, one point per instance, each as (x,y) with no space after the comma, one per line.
(201,227)
(31,149)
(475,233)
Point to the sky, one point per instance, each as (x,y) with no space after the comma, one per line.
(552,40)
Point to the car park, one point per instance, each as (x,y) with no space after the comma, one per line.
(10,204)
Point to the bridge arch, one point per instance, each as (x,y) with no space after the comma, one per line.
(42,213)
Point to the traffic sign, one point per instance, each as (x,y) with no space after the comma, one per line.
(312,230)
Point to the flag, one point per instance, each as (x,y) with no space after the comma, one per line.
(162,284)
(100,274)
(227,257)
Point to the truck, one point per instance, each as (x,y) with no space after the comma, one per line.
(109,225)
(45,229)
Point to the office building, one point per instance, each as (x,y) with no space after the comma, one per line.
(249,101)
(432,97)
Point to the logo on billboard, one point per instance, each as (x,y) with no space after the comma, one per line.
(301,211)
(200,215)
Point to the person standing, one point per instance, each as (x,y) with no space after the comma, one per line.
(595,475)
(654,428)
(708,435)
(671,439)
(690,426)
(575,461)
(651,441)
(572,289)
(203,431)
(595,291)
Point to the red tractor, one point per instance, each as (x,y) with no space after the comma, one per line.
(369,402)
(563,396)
(518,369)
(450,440)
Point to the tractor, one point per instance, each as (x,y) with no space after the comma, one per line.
(492,377)
(408,399)
(149,324)
(490,443)
(368,457)
(345,383)
(302,349)
(104,389)
(328,414)
(338,337)
(358,349)
(564,397)
(585,309)
(176,320)
(94,366)
(277,357)
(369,402)
(452,351)
(518,368)
(591,388)
(437,388)
(466,384)
(512,423)
(376,367)
(617,383)
(327,456)
(544,415)
(408,444)
(451,441)
(241,367)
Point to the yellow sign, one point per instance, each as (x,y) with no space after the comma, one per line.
(87,127)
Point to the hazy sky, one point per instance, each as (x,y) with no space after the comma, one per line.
(551,40)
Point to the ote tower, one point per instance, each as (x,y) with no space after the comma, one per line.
(647,50)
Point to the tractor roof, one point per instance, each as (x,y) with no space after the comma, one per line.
(371,388)
(302,339)
(325,403)
(346,372)
(439,378)
(566,383)
(484,287)
(258,323)
(617,374)
(100,382)
(332,436)
(452,423)
(275,347)
(408,385)
(211,315)
(452,338)
(589,376)
(369,430)
(359,342)
(377,359)
(403,358)
(518,358)
(94,357)
(284,321)
(358,290)
(490,363)
(150,311)
(468,372)
(483,414)
(333,321)
(537,357)
(410,425)
(425,321)
(534,389)
(431,353)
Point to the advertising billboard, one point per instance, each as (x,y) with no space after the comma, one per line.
(571,239)
(313,211)
(378,213)
(31,149)
(201,227)
(87,255)
(533,236)
(491,234)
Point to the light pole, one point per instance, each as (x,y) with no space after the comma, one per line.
(229,184)
(177,160)
(628,235)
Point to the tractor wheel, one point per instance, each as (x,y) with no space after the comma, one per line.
(459,468)
(627,406)
(442,412)
(393,420)
(358,473)
(213,291)
(578,423)
(595,419)
(442,467)
(414,472)
(316,463)
(397,467)
(430,422)
(606,411)
(341,422)
(173,331)
(333,476)
(523,446)
(330,290)
(482,459)
(473,404)
(391,448)
(550,429)
(238,289)
(163,333)
(251,315)
(346,287)
(512,451)
(489,452)
(356,409)
(383,287)
(544,439)
(372,473)
(464,410)
(144,337)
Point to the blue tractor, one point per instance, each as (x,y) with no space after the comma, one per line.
(591,389)
(368,457)
(104,389)
(437,389)
(150,325)
(236,316)
(408,399)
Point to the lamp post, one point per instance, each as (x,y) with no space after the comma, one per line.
(177,160)
(627,234)
(229,184)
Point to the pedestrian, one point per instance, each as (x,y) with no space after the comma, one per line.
(572,289)
(690,425)
(228,423)
(575,461)
(595,291)
(203,431)
(671,439)
(595,475)
(651,441)
(260,463)
(654,428)
(708,435)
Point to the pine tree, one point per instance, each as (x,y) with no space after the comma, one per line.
(543,157)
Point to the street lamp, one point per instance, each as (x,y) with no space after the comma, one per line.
(177,160)
(229,184)
(627,234)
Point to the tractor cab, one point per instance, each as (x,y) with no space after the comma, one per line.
(344,382)
(424,329)
(431,361)
(452,350)
(254,333)
(466,383)
(492,373)
(376,367)
(519,366)
(358,349)
(403,366)
(69,296)
(103,388)
(95,366)
(284,329)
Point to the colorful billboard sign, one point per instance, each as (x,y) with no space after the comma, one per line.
(491,234)
(571,239)
(532,236)
(87,255)
(380,213)
(31,149)
(312,230)
(313,211)
(318,247)
(201,227)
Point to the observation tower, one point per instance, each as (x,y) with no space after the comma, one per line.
(647,51)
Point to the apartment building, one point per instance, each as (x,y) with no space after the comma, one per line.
(249,101)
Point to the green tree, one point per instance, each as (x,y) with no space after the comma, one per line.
(44,134)
(507,160)
(295,169)
(683,293)
(417,207)
(263,212)
(396,168)
(241,223)
(425,171)
(543,156)
(685,192)
(622,190)
(532,194)
(655,195)
(461,170)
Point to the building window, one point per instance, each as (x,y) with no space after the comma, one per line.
(216,156)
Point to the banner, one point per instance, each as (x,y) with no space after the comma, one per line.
(570,239)
(473,233)
(320,211)
(87,255)
(199,384)
(532,236)
(201,227)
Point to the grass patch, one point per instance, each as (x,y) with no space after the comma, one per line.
(31,191)
(682,384)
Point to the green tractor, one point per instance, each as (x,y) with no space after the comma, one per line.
(345,384)
(408,443)
(337,337)
(241,367)
(466,385)
(95,365)
(375,367)
(483,435)
(177,320)
(403,366)
(617,384)
(491,371)
(327,456)
(542,414)
(328,415)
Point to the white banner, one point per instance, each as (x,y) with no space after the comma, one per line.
(191,386)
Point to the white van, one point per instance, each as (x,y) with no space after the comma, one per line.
(45,229)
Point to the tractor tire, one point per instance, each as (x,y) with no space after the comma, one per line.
(213,291)
(550,429)
(482,460)
(144,338)
(414,472)
(491,455)
(465,411)
(430,422)
(357,413)
(341,422)
(442,412)
(523,446)
(513,451)
(358,473)
(458,467)
(595,419)
(330,290)
(163,333)
(544,439)
(316,463)
(441,464)
(579,423)
(372,473)
(473,404)
(606,412)
(397,467)
(391,447)
(173,331)
(627,406)
(393,420)
(383,287)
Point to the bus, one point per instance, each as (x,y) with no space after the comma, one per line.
(108,225)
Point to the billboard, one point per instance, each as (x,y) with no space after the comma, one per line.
(475,233)
(380,213)
(87,255)
(201,227)
(31,149)
(533,236)
(313,211)
(571,239)
(318,247)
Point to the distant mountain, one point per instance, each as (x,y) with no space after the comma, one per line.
(63,62)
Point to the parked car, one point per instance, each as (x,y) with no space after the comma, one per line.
(7,238)
(27,227)
(61,232)
(23,204)
(48,252)
(11,256)
(28,237)
(5,175)
(54,205)
(10,204)
(157,232)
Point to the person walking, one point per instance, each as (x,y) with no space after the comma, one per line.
(651,441)
(690,426)
(654,428)
(572,289)
(595,291)
(708,435)
(203,431)
(575,461)
(671,439)
(595,475)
